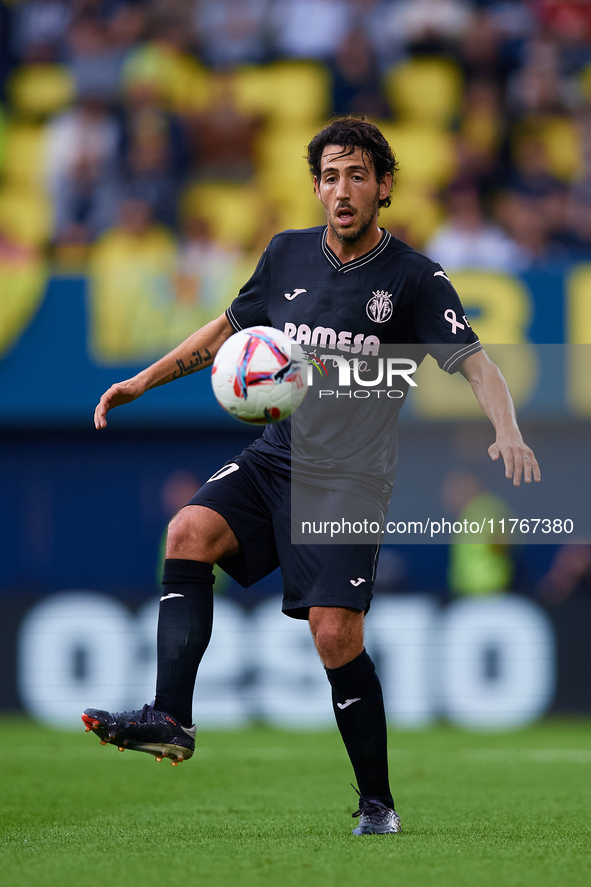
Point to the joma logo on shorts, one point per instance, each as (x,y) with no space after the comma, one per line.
(326,337)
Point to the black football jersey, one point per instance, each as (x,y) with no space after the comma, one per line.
(392,296)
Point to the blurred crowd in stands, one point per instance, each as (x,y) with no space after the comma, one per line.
(173,131)
(159,144)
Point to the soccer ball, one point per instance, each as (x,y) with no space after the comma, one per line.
(259,375)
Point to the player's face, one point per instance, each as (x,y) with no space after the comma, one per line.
(350,192)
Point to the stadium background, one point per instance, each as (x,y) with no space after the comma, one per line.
(148,151)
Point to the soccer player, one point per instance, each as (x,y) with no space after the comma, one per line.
(349,287)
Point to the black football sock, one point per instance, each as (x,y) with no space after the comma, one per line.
(184,629)
(359,709)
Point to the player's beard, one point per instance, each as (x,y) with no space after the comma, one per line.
(364,222)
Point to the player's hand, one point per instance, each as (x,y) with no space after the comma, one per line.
(118,394)
(518,458)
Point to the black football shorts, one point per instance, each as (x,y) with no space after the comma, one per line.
(256,503)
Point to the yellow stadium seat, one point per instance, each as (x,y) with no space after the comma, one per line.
(141,305)
(3,128)
(25,155)
(425,89)
(284,177)
(22,284)
(25,215)
(585,82)
(426,155)
(482,131)
(253,90)
(299,209)
(413,214)
(281,157)
(180,80)
(233,211)
(289,91)
(40,90)
(561,139)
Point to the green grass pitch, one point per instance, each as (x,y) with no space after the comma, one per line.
(271,807)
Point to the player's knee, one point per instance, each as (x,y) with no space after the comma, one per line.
(199,534)
(184,536)
(328,640)
(337,644)
(180,529)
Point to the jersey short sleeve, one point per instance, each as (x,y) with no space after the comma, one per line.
(250,307)
(441,322)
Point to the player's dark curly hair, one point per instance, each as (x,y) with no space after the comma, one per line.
(355,132)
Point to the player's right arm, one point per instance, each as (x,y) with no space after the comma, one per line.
(195,353)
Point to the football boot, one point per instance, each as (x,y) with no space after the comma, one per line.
(376,818)
(147,730)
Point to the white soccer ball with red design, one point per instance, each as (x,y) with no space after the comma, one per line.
(259,375)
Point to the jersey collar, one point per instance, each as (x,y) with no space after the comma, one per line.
(345,267)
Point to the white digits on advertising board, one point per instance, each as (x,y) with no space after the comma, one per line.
(481,663)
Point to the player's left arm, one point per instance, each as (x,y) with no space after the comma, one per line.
(494,397)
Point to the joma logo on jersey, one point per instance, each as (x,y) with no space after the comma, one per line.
(379,308)
(326,337)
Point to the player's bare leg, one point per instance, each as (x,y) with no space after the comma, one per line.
(359,710)
(200,534)
(337,633)
(197,538)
